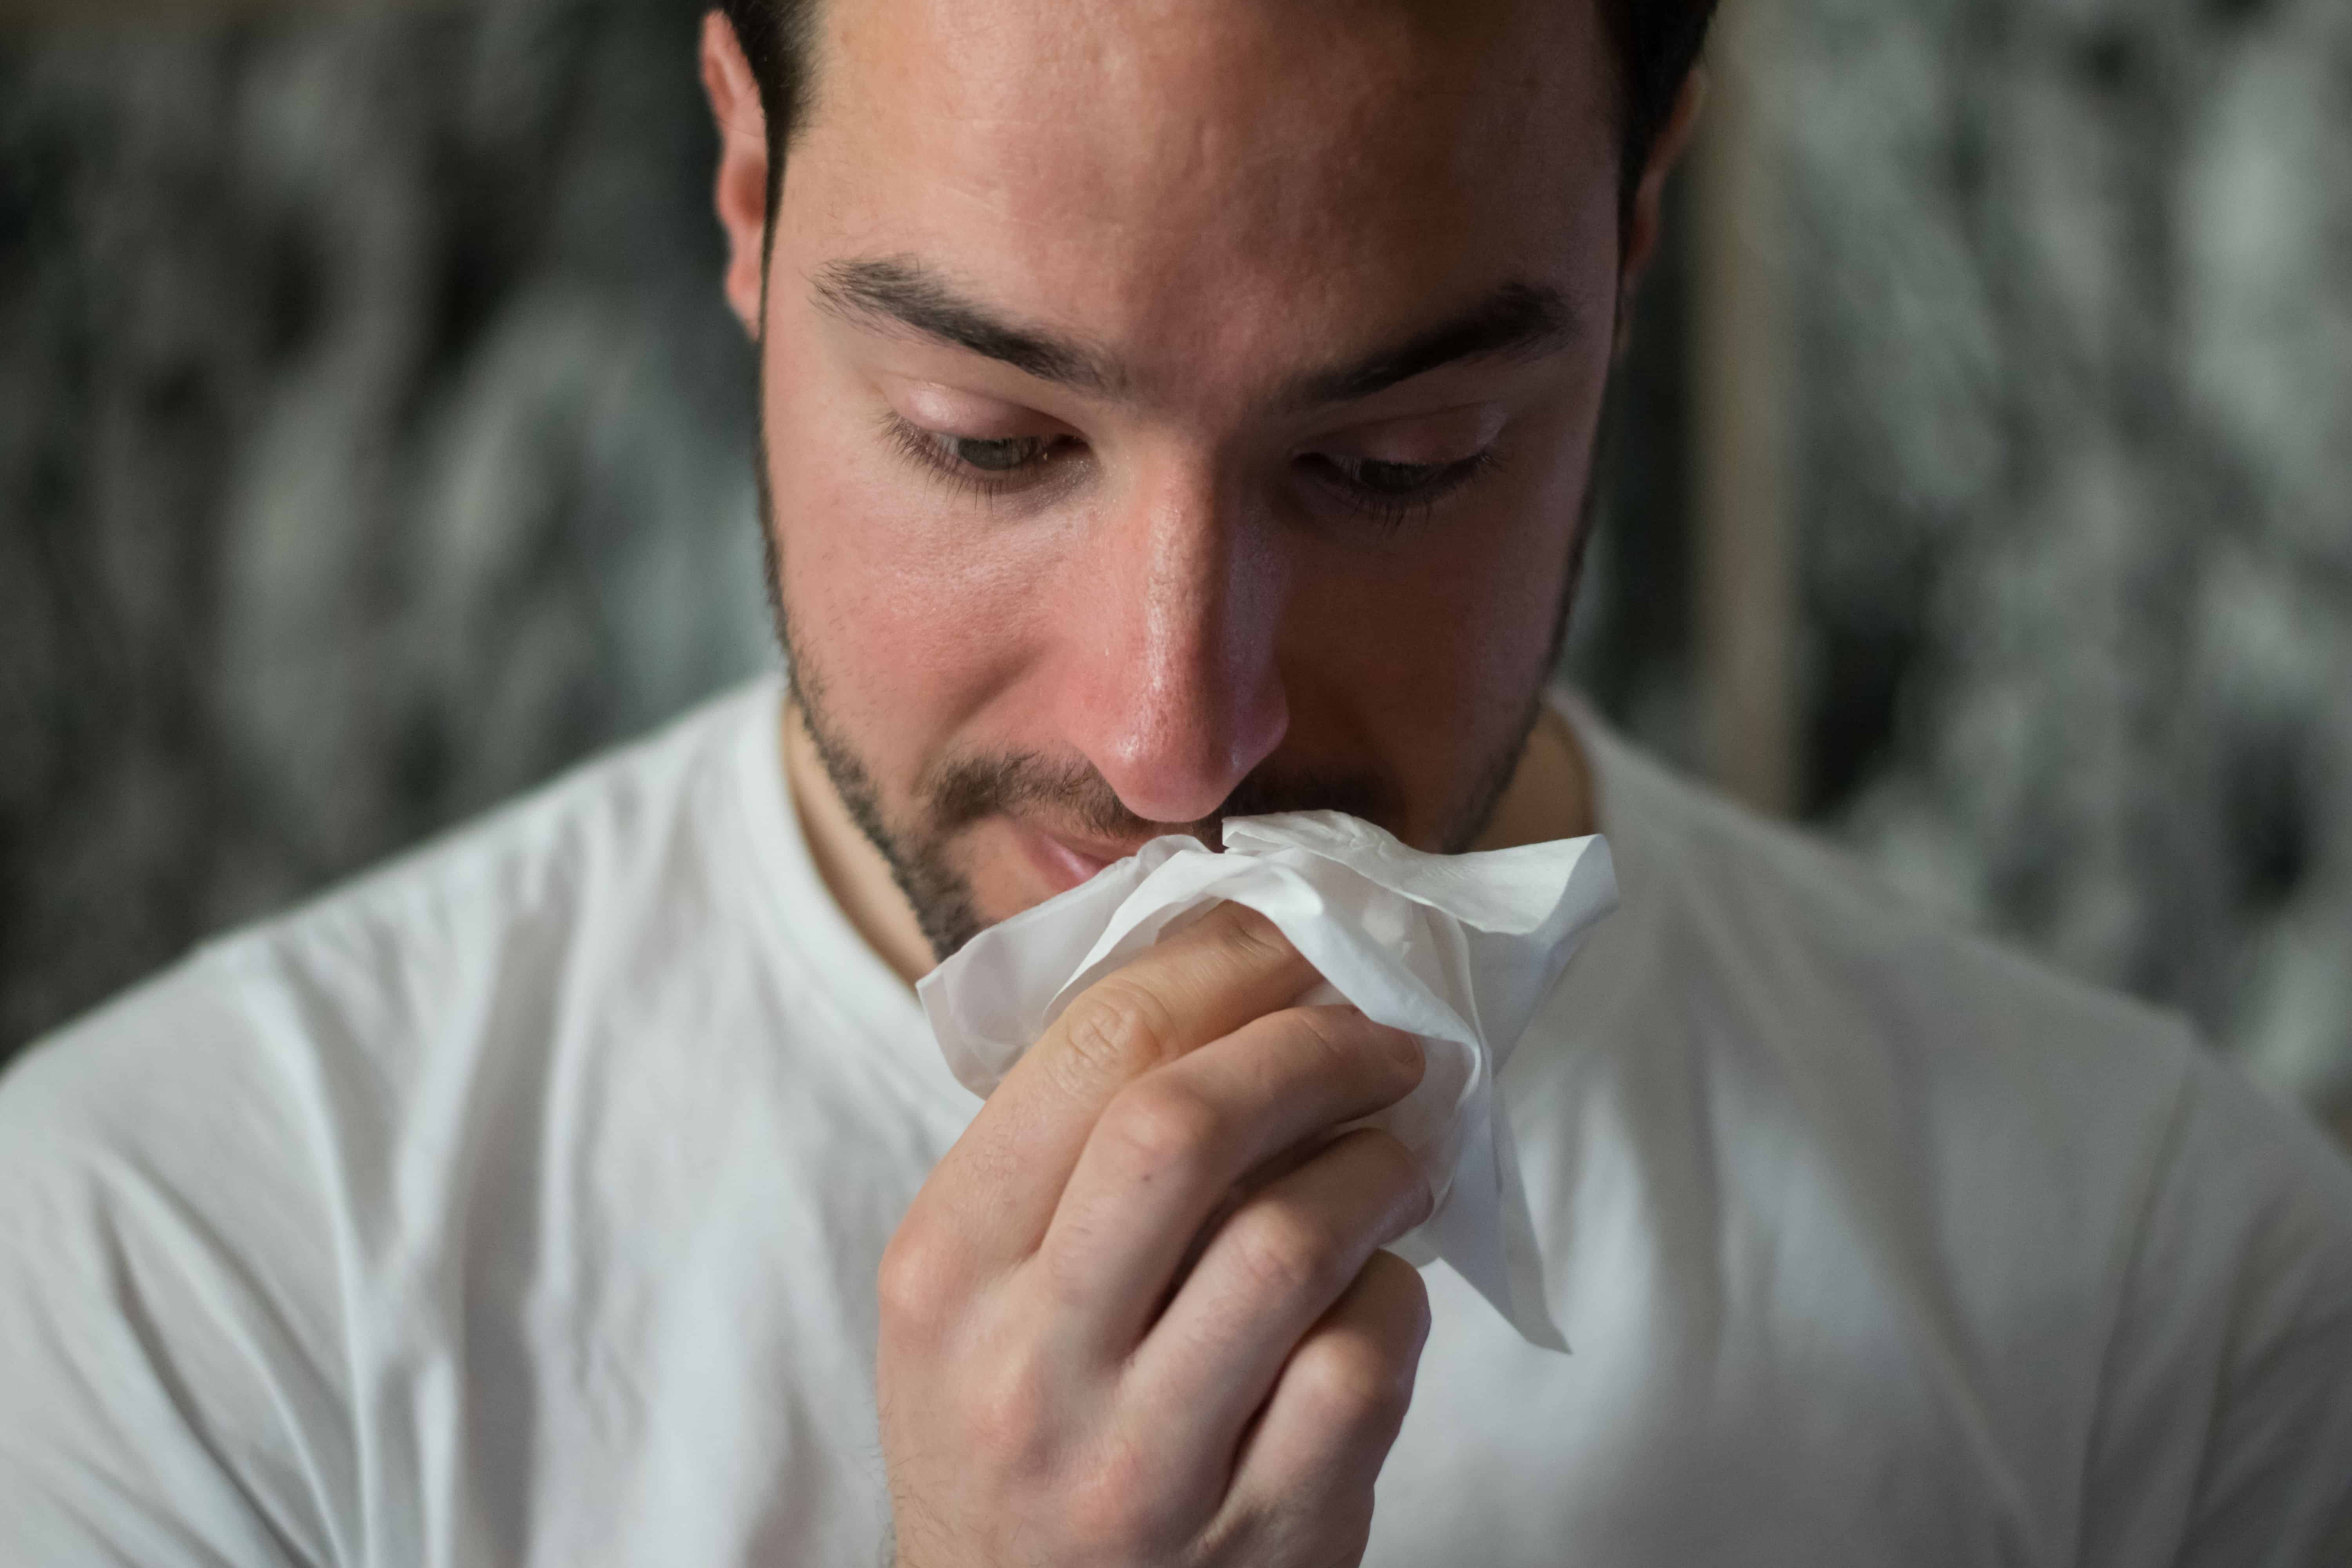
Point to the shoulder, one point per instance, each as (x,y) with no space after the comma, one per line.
(639,827)
(303,1031)
(1822,966)
(208,1185)
(2225,1417)
(2131,1264)
(171,1319)
(1777,952)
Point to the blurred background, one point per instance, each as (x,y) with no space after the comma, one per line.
(374,444)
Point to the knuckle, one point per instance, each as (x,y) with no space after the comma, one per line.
(1345,1040)
(1404,1298)
(1116,1030)
(1284,1254)
(1159,1127)
(1252,939)
(920,1283)
(1353,1379)
(1400,1174)
(1121,1509)
(1009,1415)
(1331,1032)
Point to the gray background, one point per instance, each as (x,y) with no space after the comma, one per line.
(372,443)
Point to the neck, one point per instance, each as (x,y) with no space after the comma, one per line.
(1550,793)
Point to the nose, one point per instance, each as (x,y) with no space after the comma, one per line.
(1170,686)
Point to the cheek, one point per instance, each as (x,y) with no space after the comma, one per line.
(911,614)
(1428,656)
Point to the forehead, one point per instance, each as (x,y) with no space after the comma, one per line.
(1231,182)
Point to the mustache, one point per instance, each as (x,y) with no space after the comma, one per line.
(967,790)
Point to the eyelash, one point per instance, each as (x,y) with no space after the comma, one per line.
(1387,510)
(924,448)
(1392,511)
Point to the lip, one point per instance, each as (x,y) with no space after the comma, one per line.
(1063,864)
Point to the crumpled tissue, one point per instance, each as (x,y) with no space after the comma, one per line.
(1459,949)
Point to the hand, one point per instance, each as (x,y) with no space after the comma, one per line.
(1057,1385)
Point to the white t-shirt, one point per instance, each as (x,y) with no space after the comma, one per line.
(521,1203)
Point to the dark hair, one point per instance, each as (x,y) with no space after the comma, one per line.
(1657,43)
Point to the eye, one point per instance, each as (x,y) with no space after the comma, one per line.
(984,463)
(1392,492)
(996,456)
(1392,479)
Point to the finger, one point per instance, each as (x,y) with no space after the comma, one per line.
(1171,1145)
(1273,1269)
(997,1189)
(1321,1438)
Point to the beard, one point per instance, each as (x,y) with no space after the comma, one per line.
(919,848)
(954,794)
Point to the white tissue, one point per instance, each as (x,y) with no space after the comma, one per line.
(1459,949)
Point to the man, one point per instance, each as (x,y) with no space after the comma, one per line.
(1169,412)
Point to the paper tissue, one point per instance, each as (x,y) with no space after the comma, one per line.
(1459,949)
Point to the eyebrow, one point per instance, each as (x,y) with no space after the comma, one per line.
(911,295)
(1518,320)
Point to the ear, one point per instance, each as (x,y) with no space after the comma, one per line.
(742,188)
(1647,221)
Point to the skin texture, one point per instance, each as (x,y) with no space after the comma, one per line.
(1181,558)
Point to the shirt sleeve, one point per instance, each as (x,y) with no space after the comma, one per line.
(2224,1437)
(168,1393)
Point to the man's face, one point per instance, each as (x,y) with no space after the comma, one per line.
(1177,410)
